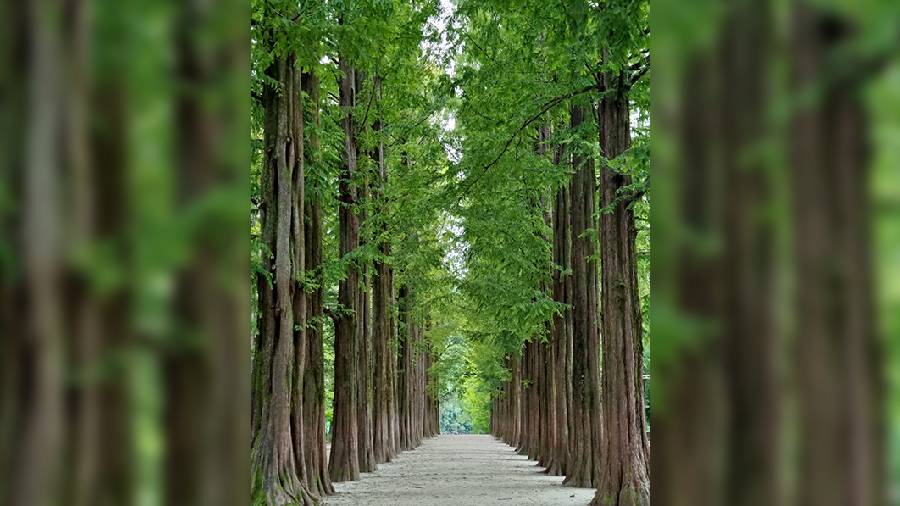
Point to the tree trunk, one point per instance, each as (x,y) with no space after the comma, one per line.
(534,399)
(548,379)
(560,329)
(298,253)
(314,379)
(36,443)
(624,478)
(382,295)
(275,462)
(522,404)
(343,464)
(365,376)
(201,379)
(404,374)
(689,428)
(839,358)
(393,352)
(755,473)
(585,408)
(514,404)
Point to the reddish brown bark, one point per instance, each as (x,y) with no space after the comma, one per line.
(624,476)
(404,375)
(277,467)
(560,329)
(514,404)
(548,383)
(585,433)
(314,379)
(343,464)
(382,324)
(365,372)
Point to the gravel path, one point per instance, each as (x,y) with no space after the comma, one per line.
(459,471)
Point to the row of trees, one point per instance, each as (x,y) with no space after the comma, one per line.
(121,322)
(550,217)
(776,330)
(557,407)
(331,244)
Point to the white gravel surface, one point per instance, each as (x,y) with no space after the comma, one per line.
(459,471)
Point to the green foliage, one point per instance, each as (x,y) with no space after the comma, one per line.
(466,204)
(519,68)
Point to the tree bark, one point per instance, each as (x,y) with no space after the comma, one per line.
(548,379)
(585,409)
(624,477)
(318,479)
(382,295)
(364,356)
(275,462)
(405,372)
(560,330)
(37,331)
(343,464)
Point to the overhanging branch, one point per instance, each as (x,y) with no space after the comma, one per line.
(546,107)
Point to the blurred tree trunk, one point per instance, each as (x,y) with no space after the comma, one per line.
(13,39)
(34,322)
(755,473)
(689,424)
(838,361)
(52,316)
(203,377)
(738,457)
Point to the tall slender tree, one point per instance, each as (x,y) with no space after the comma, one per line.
(382,310)
(277,447)
(624,477)
(586,346)
(343,465)
(314,381)
(562,326)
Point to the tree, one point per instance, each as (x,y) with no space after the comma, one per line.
(314,381)
(586,341)
(624,476)
(344,462)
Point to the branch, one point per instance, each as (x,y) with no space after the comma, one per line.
(331,314)
(547,106)
(625,198)
(371,97)
(638,70)
(485,53)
